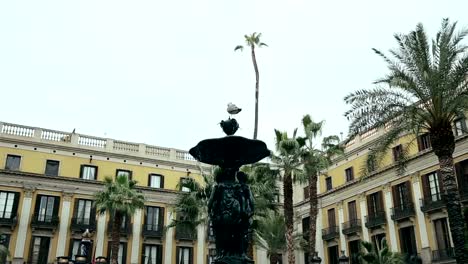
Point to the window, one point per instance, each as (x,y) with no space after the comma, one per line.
(354,249)
(408,242)
(377,239)
(306,192)
(125,173)
(349,174)
(84,211)
(39,250)
(397,153)
(459,126)
(211,255)
(46,208)
(12,162)
(5,240)
(424,142)
(184,255)
(152,254)
(333,255)
(182,187)
(8,204)
(375,204)
(352,212)
(122,255)
(156,181)
(306,227)
(52,167)
(154,220)
(88,172)
(74,248)
(331,217)
(328,183)
(402,195)
(442,235)
(432,186)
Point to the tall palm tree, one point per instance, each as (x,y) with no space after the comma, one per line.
(288,158)
(271,236)
(425,90)
(379,254)
(253,41)
(121,199)
(316,160)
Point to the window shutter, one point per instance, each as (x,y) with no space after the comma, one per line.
(93,213)
(370,206)
(56,206)
(161,217)
(441,183)
(143,249)
(177,254)
(149,180)
(159,259)
(130,174)
(459,174)
(15,205)
(409,193)
(162,182)
(75,209)
(81,171)
(419,143)
(380,201)
(426,188)
(352,173)
(396,201)
(38,203)
(191,255)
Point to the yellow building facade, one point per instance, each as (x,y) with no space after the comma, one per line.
(405,208)
(47,182)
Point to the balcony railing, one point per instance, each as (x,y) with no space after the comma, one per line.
(351,227)
(125,228)
(376,219)
(443,254)
(403,211)
(44,221)
(185,233)
(152,230)
(330,233)
(434,202)
(81,224)
(11,221)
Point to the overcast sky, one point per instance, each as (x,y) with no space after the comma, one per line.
(162,72)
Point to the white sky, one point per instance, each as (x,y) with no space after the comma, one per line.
(162,72)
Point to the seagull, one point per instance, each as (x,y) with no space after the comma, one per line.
(233,109)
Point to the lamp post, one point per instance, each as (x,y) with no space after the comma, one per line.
(63,260)
(315,259)
(343,258)
(102,260)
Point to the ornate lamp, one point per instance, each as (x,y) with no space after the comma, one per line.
(102,260)
(343,258)
(231,204)
(63,259)
(315,259)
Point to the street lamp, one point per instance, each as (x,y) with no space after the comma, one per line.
(102,260)
(343,258)
(63,260)
(315,258)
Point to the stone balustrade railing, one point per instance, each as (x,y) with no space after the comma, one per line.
(84,141)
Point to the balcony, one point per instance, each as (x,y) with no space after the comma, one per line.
(40,221)
(351,227)
(443,255)
(403,211)
(9,222)
(152,230)
(81,224)
(376,220)
(185,233)
(434,202)
(330,233)
(125,228)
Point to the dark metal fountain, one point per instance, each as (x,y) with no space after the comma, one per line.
(231,203)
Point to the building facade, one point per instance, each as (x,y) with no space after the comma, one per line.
(405,208)
(47,182)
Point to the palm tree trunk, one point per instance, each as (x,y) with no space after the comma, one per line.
(289,215)
(312,213)
(257,75)
(115,238)
(443,144)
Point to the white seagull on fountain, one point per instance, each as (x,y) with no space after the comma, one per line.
(232,109)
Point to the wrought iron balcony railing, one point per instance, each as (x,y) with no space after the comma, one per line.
(443,254)
(9,221)
(330,233)
(152,230)
(403,211)
(44,221)
(376,219)
(80,224)
(185,233)
(351,227)
(433,202)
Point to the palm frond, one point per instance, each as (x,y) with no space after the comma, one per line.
(239,47)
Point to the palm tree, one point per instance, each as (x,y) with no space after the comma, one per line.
(425,90)
(316,160)
(270,236)
(121,199)
(289,160)
(253,41)
(379,254)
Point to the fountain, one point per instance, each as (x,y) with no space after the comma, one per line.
(231,204)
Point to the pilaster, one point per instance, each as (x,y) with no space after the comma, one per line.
(387,190)
(339,205)
(136,234)
(64,223)
(363,206)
